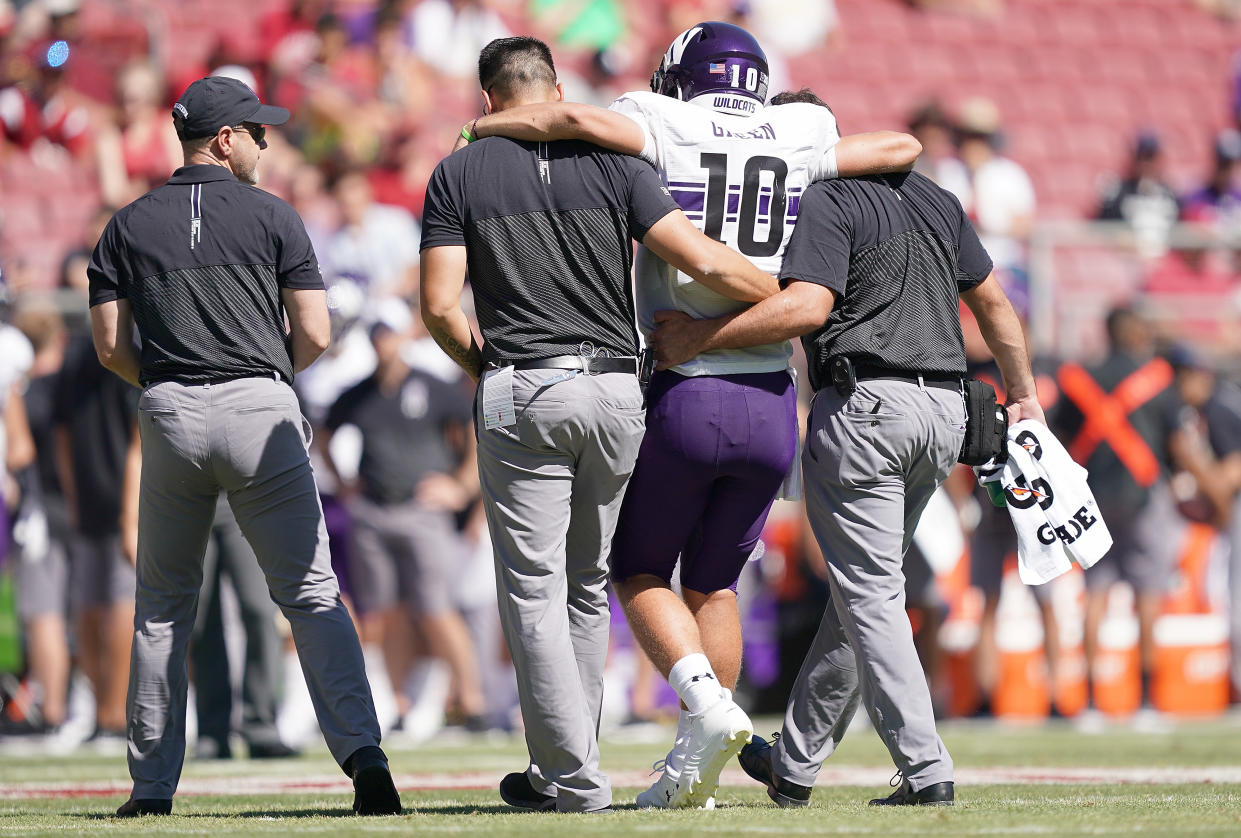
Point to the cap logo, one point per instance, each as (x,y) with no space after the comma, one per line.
(179,110)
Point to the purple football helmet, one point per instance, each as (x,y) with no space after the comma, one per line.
(712,57)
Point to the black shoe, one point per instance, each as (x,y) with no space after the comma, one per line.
(477,723)
(134,807)
(755,759)
(26,727)
(373,790)
(209,747)
(272,750)
(937,794)
(516,790)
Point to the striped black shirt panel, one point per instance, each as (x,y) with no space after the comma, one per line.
(897,250)
(202,260)
(547,228)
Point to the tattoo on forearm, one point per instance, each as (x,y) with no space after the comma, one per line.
(467,357)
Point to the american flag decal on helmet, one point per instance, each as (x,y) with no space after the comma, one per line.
(717,68)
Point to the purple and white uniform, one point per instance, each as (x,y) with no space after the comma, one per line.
(722,428)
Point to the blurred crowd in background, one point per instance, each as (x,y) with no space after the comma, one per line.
(1039,116)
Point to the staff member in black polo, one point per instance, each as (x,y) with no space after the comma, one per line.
(545,230)
(207,267)
(896,251)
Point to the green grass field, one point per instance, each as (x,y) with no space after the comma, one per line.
(1046,780)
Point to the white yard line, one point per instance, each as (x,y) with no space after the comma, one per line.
(839,776)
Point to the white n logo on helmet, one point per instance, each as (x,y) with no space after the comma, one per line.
(677,47)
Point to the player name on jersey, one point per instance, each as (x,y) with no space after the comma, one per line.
(763,132)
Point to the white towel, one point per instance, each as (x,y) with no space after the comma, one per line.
(1053,510)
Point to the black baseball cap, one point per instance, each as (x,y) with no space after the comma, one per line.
(209,104)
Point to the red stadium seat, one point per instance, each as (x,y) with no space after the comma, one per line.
(995,65)
(931,65)
(876,20)
(1077,25)
(1101,104)
(1029,146)
(1188,66)
(1092,144)
(952,29)
(1133,26)
(1025,25)
(21,217)
(1206,33)
(862,65)
(1127,67)
(1059,63)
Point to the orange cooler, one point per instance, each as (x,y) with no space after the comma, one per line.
(1117,666)
(1191,664)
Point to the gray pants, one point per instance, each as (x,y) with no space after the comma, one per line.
(552,488)
(402,554)
(871,463)
(248,438)
(100,575)
(229,555)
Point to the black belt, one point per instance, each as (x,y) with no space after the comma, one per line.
(587,364)
(941,380)
(270,375)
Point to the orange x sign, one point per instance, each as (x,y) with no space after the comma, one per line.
(1107,415)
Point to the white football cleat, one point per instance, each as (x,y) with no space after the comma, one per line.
(715,737)
(659,795)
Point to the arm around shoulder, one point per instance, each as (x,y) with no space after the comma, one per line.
(876,153)
(550,121)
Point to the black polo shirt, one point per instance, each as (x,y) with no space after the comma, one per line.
(547,229)
(98,410)
(202,260)
(403,432)
(897,250)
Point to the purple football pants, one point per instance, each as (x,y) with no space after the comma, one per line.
(714,455)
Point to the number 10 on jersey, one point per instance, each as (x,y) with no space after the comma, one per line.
(755,205)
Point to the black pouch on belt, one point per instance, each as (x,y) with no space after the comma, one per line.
(986,425)
(844,376)
(646,368)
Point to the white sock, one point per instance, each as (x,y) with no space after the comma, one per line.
(675,761)
(695,683)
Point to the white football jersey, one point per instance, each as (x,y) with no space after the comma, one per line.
(739,179)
